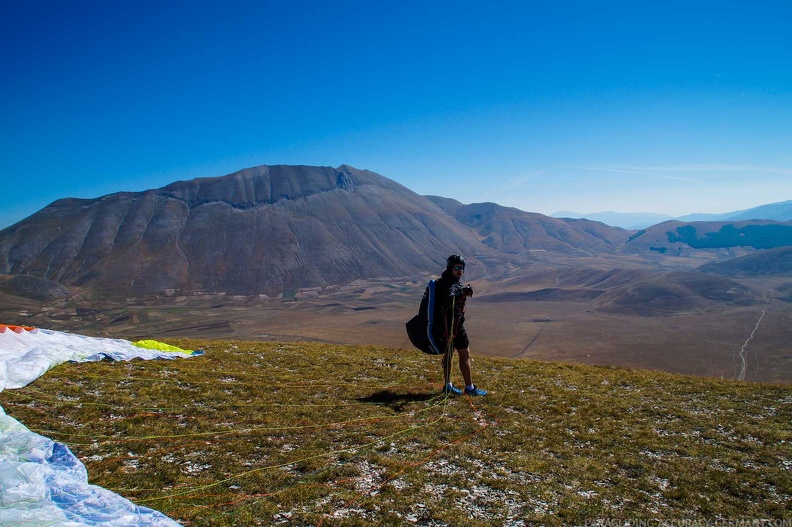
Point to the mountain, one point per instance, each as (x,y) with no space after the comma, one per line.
(680,238)
(32,287)
(447,204)
(259,230)
(780,211)
(625,220)
(630,291)
(515,231)
(268,229)
(699,216)
(677,293)
(776,261)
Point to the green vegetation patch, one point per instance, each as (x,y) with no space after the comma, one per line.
(314,434)
(758,236)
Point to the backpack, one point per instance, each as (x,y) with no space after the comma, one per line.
(420,327)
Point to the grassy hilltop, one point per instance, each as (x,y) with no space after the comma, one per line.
(312,434)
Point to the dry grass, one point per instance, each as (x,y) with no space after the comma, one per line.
(310,434)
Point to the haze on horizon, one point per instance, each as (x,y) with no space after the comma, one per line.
(583,106)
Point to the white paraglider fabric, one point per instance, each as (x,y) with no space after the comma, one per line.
(27,355)
(41,481)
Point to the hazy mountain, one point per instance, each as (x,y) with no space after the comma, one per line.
(271,228)
(780,211)
(700,216)
(625,220)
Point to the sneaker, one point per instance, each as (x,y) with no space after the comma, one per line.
(451,389)
(475,391)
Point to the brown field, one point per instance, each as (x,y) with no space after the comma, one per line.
(546,314)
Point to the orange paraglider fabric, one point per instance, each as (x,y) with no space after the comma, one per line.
(15,329)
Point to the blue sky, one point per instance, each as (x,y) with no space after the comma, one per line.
(669,107)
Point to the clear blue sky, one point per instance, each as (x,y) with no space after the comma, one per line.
(672,107)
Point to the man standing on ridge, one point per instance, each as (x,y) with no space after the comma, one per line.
(449,333)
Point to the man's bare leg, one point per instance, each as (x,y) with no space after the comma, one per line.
(464,365)
(446,362)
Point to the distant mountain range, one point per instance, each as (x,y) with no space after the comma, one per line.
(267,229)
(625,220)
(270,229)
(781,211)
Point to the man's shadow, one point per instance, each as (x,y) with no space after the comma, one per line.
(396,401)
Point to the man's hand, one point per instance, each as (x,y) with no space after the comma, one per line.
(467,290)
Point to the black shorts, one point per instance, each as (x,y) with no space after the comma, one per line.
(461,340)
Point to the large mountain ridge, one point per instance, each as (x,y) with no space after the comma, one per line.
(256,231)
(267,229)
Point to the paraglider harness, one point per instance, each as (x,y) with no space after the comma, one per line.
(422,327)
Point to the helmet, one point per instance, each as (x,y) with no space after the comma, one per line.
(453,260)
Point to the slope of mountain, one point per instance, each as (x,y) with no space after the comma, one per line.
(514,231)
(267,229)
(32,287)
(630,291)
(702,216)
(447,204)
(776,261)
(677,293)
(780,211)
(679,238)
(786,291)
(260,230)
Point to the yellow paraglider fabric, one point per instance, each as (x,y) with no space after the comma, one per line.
(157,345)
